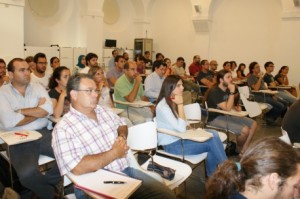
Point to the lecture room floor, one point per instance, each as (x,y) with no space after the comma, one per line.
(195,184)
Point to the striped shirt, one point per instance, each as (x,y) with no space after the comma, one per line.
(76,136)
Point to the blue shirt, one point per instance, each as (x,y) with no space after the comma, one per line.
(153,83)
(166,119)
(11,101)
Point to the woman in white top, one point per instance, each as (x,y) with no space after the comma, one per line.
(104,98)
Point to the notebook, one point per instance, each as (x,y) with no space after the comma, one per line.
(17,137)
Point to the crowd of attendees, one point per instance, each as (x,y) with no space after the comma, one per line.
(90,136)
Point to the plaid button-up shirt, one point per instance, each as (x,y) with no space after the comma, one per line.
(76,136)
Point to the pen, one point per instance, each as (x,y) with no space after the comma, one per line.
(21,134)
(114,182)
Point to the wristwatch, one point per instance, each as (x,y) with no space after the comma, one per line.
(231,93)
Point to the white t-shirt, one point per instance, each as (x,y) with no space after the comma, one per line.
(44,81)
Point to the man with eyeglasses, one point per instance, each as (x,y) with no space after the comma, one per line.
(90,137)
(39,74)
(206,77)
(153,82)
(25,106)
(129,88)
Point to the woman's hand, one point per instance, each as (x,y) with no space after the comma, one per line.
(177,99)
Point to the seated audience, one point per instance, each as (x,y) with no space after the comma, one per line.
(39,74)
(222,96)
(233,66)
(206,77)
(57,92)
(128,88)
(195,66)
(116,72)
(169,70)
(148,60)
(77,153)
(91,59)
(126,56)
(30,62)
(170,115)
(269,79)
(54,62)
(213,66)
(25,106)
(111,62)
(4,79)
(269,169)
(283,79)
(80,64)
(227,65)
(158,57)
(240,72)
(140,62)
(291,124)
(102,85)
(154,81)
(256,82)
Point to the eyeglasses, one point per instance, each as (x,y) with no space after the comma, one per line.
(90,91)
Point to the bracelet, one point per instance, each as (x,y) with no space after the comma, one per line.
(231,93)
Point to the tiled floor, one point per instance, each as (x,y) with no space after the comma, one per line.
(195,185)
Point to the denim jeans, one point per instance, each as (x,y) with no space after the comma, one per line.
(150,188)
(213,147)
(286,96)
(24,158)
(278,107)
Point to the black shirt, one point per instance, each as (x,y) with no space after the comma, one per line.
(291,122)
(268,78)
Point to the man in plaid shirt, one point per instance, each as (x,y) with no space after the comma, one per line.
(90,137)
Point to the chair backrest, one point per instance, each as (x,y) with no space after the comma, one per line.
(244,90)
(285,137)
(192,111)
(252,108)
(142,136)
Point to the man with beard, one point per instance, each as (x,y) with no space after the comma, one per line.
(91,60)
(221,96)
(195,67)
(25,106)
(129,88)
(39,74)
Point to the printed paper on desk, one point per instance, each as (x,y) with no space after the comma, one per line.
(17,137)
(94,183)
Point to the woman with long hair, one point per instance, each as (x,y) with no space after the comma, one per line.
(269,169)
(58,94)
(282,79)
(170,115)
(241,71)
(98,75)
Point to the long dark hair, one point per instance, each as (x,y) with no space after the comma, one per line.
(281,69)
(56,75)
(167,88)
(263,157)
(240,69)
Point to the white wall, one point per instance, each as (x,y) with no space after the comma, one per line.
(240,30)
(11,31)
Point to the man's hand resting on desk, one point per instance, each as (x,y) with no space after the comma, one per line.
(120,147)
